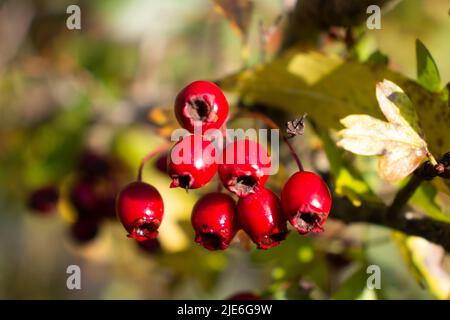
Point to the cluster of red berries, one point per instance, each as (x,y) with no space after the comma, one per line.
(243,169)
(91,193)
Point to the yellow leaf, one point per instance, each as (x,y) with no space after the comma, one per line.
(401,148)
(424,260)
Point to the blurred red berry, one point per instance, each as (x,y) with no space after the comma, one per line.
(84,229)
(260,216)
(150,246)
(306,202)
(201,104)
(214,221)
(140,208)
(44,200)
(91,164)
(161,162)
(245,295)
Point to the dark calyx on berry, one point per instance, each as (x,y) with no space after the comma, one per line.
(211,241)
(243,185)
(306,222)
(199,108)
(144,229)
(182,181)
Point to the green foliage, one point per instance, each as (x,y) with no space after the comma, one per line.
(427,71)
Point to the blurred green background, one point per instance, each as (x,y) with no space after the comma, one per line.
(106,88)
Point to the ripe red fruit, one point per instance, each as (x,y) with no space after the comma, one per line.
(192,162)
(213,219)
(306,202)
(245,167)
(201,104)
(140,209)
(260,216)
(44,199)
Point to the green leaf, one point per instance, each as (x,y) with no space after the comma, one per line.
(425,199)
(348,181)
(427,71)
(355,287)
(424,261)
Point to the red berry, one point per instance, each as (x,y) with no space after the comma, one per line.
(260,216)
(93,165)
(244,295)
(150,246)
(201,104)
(44,199)
(140,209)
(161,162)
(84,229)
(214,222)
(306,201)
(245,167)
(84,198)
(192,162)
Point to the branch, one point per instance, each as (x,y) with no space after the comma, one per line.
(432,230)
(310,17)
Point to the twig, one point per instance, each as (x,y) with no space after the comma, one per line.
(428,228)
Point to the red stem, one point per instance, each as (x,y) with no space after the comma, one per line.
(269,122)
(150,155)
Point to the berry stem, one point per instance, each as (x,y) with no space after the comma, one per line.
(149,156)
(270,123)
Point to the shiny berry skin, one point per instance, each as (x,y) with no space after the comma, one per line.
(260,216)
(214,221)
(44,200)
(245,167)
(140,208)
(192,162)
(201,105)
(306,202)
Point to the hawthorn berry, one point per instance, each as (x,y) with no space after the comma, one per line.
(244,168)
(213,219)
(44,199)
(201,104)
(140,208)
(306,201)
(84,229)
(192,162)
(161,162)
(244,295)
(261,217)
(94,165)
(150,246)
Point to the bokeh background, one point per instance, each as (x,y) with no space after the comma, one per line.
(80,108)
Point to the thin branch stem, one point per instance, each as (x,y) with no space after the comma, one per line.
(269,122)
(402,197)
(149,156)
